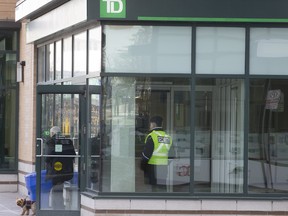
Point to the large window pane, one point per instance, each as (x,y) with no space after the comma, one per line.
(219,136)
(8,40)
(67,57)
(268,133)
(58,59)
(93,147)
(147,49)
(220,50)
(94,51)
(80,54)
(41,64)
(8,111)
(50,62)
(269,51)
(128,104)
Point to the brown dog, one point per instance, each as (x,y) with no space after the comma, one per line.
(26,205)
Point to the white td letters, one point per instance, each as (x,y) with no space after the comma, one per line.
(114,6)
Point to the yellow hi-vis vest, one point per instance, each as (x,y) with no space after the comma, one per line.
(162,144)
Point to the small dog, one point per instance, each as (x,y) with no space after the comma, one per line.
(26,205)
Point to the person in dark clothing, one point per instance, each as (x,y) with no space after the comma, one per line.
(49,149)
(155,155)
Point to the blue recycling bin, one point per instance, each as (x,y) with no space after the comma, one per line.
(46,186)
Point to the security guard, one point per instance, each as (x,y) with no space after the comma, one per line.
(155,155)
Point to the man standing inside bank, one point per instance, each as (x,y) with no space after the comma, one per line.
(155,155)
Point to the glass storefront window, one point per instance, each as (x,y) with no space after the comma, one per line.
(219,136)
(220,50)
(94,81)
(8,40)
(268,136)
(80,54)
(67,57)
(50,62)
(93,147)
(217,126)
(147,49)
(8,108)
(128,104)
(94,51)
(58,60)
(41,64)
(269,51)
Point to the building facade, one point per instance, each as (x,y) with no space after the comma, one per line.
(215,72)
(9,52)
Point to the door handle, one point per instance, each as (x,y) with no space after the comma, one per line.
(41,147)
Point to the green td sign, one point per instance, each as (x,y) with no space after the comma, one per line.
(113,8)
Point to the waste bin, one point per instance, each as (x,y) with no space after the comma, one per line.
(46,186)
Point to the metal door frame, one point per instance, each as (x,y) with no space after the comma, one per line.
(82,90)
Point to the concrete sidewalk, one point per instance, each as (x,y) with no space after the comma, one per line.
(8,205)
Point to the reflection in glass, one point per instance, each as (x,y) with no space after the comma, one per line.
(58,60)
(128,104)
(58,106)
(8,40)
(269,51)
(219,133)
(94,50)
(62,111)
(220,50)
(268,136)
(94,81)
(67,57)
(147,49)
(50,62)
(93,147)
(8,106)
(41,64)
(80,54)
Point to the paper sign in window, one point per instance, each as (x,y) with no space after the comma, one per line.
(58,148)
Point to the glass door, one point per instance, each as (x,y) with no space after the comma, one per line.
(61,132)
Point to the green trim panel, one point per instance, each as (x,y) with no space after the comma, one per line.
(203,19)
(190,10)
